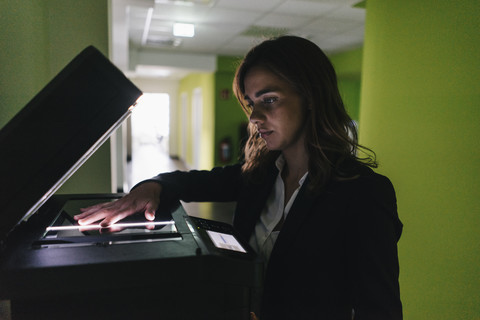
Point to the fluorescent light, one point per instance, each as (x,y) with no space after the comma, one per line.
(183,30)
(152,71)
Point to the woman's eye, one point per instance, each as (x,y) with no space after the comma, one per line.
(269,100)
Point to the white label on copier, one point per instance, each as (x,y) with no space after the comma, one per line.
(225,241)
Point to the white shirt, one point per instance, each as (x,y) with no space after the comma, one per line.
(263,237)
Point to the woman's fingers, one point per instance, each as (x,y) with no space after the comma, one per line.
(145,198)
(109,213)
(150,209)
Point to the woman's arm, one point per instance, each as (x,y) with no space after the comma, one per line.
(219,184)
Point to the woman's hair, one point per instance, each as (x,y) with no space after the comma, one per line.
(331,135)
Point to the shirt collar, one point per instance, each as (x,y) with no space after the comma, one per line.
(280,164)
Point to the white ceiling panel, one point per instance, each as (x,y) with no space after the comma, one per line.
(306,8)
(253,5)
(225,16)
(282,20)
(328,27)
(232,27)
(348,14)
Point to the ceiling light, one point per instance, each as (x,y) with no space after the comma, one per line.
(183,30)
(187,2)
(149,71)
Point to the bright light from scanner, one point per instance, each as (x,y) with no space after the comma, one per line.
(183,30)
(136,103)
(116,225)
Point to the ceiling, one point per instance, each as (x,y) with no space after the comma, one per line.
(142,30)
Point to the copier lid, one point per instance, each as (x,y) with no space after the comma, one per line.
(56,132)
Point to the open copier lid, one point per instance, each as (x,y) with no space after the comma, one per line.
(57,131)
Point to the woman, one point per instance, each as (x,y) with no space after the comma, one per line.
(310,205)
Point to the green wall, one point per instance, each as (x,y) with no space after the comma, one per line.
(420,110)
(24,59)
(229,116)
(38,38)
(348,66)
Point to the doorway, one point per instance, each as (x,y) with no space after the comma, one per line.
(197,119)
(150,126)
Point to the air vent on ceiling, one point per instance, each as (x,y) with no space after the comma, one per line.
(187,2)
(163,42)
(264,32)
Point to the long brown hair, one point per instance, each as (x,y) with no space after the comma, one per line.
(331,135)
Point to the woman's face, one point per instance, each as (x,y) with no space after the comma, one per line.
(277,110)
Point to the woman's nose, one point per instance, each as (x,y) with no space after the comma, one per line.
(256,116)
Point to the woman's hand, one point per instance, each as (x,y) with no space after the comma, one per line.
(145,197)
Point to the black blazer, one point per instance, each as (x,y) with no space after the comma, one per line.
(336,252)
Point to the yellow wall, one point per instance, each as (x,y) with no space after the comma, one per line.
(204,81)
(420,111)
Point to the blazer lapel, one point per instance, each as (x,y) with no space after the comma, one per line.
(251,203)
(300,209)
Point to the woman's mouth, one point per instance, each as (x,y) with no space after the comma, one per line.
(264,133)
